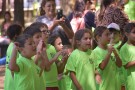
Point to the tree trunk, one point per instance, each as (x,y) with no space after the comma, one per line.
(3,8)
(18,12)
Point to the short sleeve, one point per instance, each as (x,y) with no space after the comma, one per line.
(21,67)
(71,63)
(97,59)
(124,56)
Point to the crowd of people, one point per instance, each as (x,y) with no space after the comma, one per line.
(87,50)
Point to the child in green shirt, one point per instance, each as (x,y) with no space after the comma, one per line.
(26,72)
(127,53)
(13,32)
(80,66)
(106,63)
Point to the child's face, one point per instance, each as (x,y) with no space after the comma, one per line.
(58,44)
(115,35)
(85,42)
(131,36)
(29,48)
(37,37)
(45,33)
(105,38)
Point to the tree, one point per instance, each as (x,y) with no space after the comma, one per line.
(18,12)
(3,8)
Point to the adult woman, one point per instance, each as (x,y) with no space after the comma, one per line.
(109,13)
(60,26)
(6,23)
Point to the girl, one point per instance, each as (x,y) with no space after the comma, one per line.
(106,63)
(128,55)
(56,41)
(79,64)
(26,73)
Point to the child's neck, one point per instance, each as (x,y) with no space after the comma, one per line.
(102,46)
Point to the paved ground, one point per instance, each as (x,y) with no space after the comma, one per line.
(2,74)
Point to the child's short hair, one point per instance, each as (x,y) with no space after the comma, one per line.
(31,30)
(21,40)
(52,39)
(38,25)
(128,28)
(13,31)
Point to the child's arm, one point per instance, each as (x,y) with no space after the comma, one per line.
(130,64)
(98,77)
(61,64)
(12,64)
(75,81)
(104,63)
(118,60)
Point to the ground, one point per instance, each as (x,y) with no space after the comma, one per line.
(2,75)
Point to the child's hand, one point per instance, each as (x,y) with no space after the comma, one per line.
(57,55)
(98,78)
(40,47)
(110,48)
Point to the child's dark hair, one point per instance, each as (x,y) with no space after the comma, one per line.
(52,39)
(128,28)
(31,30)
(38,25)
(21,40)
(13,31)
(67,46)
(42,12)
(98,32)
(78,36)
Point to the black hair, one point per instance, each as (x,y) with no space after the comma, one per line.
(21,40)
(38,24)
(31,30)
(78,36)
(128,28)
(52,39)
(13,31)
(98,32)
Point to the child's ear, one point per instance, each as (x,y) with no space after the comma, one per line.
(97,38)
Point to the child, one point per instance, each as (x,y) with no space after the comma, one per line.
(26,72)
(116,41)
(57,67)
(56,41)
(106,64)
(13,32)
(127,53)
(79,64)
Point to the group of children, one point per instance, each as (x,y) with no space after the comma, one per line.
(97,60)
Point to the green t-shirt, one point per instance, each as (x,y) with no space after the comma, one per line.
(130,9)
(28,77)
(51,76)
(80,63)
(127,53)
(110,75)
(8,82)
